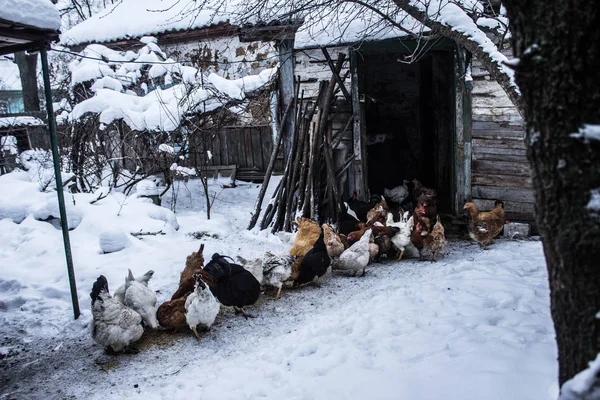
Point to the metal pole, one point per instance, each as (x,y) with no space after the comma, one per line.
(59,185)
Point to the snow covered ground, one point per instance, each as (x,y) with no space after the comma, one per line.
(475,325)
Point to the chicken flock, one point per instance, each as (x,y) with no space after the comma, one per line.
(364,233)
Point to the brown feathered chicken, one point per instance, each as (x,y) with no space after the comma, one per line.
(382,236)
(355,236)
(378,213)
(420,230)
(171,313)
(334,244)
(308,233)
(484,226)
(373,249)
(435,241)
(427,204)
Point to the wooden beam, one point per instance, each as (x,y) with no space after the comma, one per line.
(286,80)
(336,74)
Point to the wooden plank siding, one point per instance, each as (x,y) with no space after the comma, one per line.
(500,169)
(248,148)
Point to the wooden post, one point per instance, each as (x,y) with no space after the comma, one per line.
(462,137)
(286,83)
(359,170)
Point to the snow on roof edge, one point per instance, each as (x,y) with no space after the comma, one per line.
(6,122)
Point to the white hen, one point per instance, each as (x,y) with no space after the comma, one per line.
(355,257)
(201,307)
(142,299)
(397,194)
(401,240)
(119,294)
(114,326)
(276,270)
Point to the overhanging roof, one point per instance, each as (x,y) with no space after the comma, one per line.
(15,37)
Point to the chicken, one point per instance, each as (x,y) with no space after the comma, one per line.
(355,257)
(119,294)
(276,270)
(314,263)
(139,297)
(201,307)
(355,236)
(378,213)
(435,241)
(308,232)
(230,283)
(402,239)
(193,264)
(397,194)
(115,326)
(420,230)
(171,313)
(484,226)
(382,237)
(361,208)
(334,244)
(346,223)
(373,249)
(427,204)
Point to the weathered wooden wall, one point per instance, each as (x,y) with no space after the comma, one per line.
(249,148)
(500,169)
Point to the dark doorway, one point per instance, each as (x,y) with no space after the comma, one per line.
(409,121)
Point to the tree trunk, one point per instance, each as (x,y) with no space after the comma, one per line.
(27,64)
(559,78)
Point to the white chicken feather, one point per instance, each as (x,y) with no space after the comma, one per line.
(276,270)
(114,325)
(397,194)
(355,257)
(142,299)
(119,294)
(402,240)
(201,307)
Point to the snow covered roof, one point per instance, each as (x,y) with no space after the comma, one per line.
(7,122)
(151,18)
(39,14)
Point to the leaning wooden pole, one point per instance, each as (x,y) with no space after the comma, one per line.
(270,167)
(59,185)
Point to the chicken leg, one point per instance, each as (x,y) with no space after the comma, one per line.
(195,330)
(240,310)
(278,292)
(400,255)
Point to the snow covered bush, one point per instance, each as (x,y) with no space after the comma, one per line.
(140,114)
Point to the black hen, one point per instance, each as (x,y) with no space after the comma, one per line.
(346,223)
(230,283)
(314,263)
(361,208)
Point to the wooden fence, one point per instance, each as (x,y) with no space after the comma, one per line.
(248,148)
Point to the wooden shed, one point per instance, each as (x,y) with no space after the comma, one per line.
(422,120)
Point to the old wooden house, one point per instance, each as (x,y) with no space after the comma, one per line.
(394,120)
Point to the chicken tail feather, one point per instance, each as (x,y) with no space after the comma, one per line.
(99,287)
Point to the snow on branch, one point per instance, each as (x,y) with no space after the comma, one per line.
(149,91)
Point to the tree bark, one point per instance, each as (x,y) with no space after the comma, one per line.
(27,64)
(559,78)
